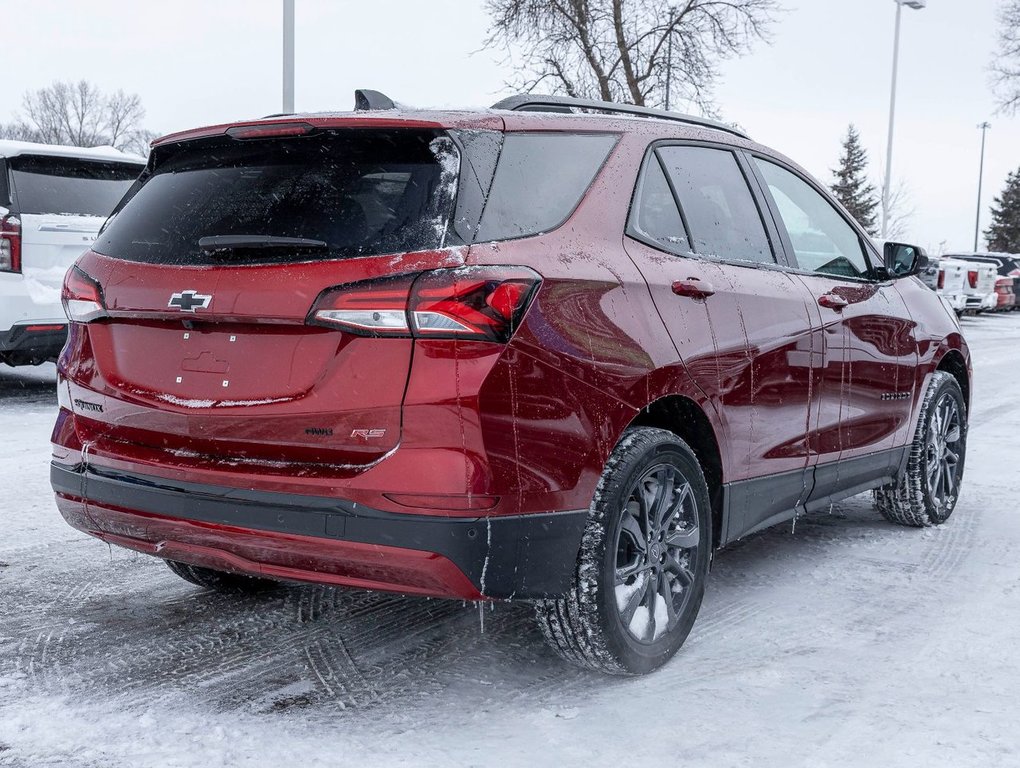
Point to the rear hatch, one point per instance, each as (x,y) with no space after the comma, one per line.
(61,203)
(211,269)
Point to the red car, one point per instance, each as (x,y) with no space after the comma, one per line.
(524,353)
(1005,300)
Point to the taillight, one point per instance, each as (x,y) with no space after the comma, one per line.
(477,303)
(10,244)
(82,297)
(942,279)
(972,277)
(367,308)
(486,303)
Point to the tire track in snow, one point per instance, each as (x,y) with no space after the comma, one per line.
(954,541)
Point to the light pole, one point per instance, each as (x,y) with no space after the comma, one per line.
(981,177)
(288,56)
(917,5)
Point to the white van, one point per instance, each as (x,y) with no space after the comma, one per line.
(53,200)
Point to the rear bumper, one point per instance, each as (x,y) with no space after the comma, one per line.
(323,540)
(957,301)
(34,342)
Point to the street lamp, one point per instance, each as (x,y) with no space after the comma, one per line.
(981,177)
(916,5)
(288,56)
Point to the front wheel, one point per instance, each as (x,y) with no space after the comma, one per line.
(927,489)
(641,571)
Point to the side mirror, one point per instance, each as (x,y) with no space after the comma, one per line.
(902,260)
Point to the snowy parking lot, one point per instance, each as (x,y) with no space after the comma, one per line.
(841,641)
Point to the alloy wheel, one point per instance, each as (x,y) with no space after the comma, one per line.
(942,451)
(656,546)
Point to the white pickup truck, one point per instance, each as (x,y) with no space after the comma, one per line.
(952,283)
(53,200)
(979,282)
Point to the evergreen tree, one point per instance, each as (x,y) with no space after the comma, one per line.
(1004,233)
(851,186)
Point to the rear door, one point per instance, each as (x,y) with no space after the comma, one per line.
(865,393)
(208,349)
(61,203)
(740,323)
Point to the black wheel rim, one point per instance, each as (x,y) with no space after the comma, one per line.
(656,550)
(942,450)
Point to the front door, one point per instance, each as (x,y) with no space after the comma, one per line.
(865,392)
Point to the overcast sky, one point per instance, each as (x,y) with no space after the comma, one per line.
(196,62)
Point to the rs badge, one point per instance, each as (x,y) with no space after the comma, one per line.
(365,434)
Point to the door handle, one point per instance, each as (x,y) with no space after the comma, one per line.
(694,288)
(832,301)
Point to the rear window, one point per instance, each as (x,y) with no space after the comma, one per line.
(67,185)
(360,192)
(540,179)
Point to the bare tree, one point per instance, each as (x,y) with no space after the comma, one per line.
(81,115)
(901,211)
(1006,65)
(644,52)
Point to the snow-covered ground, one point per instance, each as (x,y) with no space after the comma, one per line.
(847,641)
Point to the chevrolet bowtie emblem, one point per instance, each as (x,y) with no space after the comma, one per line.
(189,301)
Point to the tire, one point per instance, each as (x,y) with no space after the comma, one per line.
(221,581)
(595,625)
(927,489)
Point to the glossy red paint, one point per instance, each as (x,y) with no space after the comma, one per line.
(249,396)
(274,555)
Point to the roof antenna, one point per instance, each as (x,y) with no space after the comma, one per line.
(365,99)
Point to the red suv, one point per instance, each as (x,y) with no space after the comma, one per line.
(559,351)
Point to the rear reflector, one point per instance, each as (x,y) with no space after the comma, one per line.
(82,297)
(10,244)
(485,303)
(43,328)
(428,501)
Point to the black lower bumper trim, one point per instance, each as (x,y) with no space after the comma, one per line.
(23,345)
(522,556)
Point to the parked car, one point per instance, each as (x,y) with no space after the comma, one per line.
(952,283)
(53,199)
(1004,294)
(508,354)
(1006,264)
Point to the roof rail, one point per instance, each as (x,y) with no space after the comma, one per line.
(531,103)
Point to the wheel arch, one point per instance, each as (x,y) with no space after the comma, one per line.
(686,419)
(954,363)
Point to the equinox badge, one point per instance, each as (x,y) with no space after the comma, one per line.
(189,301)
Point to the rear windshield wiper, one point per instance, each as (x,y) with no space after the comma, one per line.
(221,243)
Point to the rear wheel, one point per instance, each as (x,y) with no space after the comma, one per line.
(221,581)
(926,491)
(641,572)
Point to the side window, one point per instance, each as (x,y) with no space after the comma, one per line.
(717,204)
(540,179)
(655,215)
(822,240)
